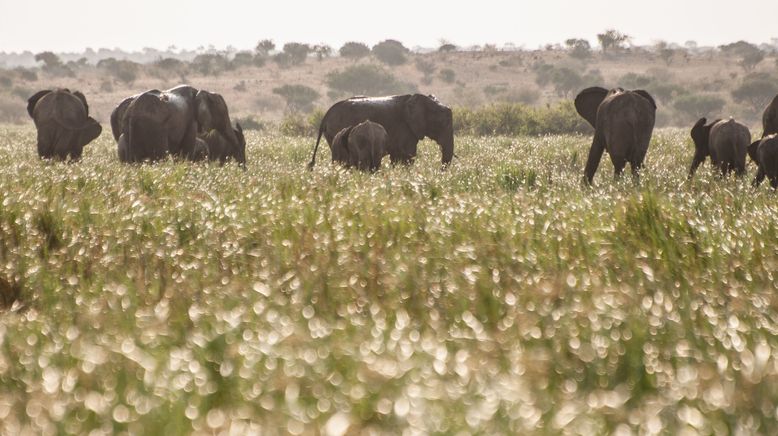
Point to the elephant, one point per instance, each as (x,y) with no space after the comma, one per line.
(770,118)
(407,119)
(216,146)
(155,124)
(361,146)
(726,141)
(623,122)
(765,154)
(63,123)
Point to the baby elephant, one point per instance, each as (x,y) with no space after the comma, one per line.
(362,146)
(726,141)
(765,153)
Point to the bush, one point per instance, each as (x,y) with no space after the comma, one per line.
(447,75)
(123,70)
(579,48)
(242,59)
(354,50)
(694,106)
(53,65)
(298,97)
(167,68)
(391,52)
(366,80)
(210,64)
(251,123)
(27,74)
(516,119)
(756,91)
(296,52)
(299,125)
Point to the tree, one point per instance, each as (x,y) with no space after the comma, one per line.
(297,52)
(447,47)
(665,52)
(579,48)
(694,106)
(322,51)
(749,54)
(123,70)
(366,79)
(354,51)
(565,81)
(612,39)
(299,98)
(53,65)
(391,52)
(756,91)
(265,46)
(210,64)
(427,68)
(243,59)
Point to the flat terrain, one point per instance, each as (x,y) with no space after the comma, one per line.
(497,297)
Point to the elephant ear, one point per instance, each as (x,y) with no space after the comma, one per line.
(752,151)
(32,101)
(90,131)
(588,102)
(81,97)
(646,95)
(700,133)
(416,115)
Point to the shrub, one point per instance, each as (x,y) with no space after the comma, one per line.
(694,106)
(366,80)
(297,52)
(27,74)
(167,67)
(447,75)
(756,91)
(579,48)
(447,48)
(242,59)
(123,70)
(298,97)
(517,119)
(53,65)
(391,52)
(210,64)
(251,123)
(322,51)
(264,47)
(354,50)
(296,124)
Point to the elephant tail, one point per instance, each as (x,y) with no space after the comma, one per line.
(316,147)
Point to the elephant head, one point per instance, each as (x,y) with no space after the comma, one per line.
(588,101)
(212,114)
(426,116)
(701,135)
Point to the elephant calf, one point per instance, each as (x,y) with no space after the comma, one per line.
(765,153)
(361,146)
(214,146)
(63,123)
(725,141)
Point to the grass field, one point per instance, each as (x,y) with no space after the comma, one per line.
(498,297)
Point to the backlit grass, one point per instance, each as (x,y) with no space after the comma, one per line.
(499,297)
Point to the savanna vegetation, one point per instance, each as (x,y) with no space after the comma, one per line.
(498,296)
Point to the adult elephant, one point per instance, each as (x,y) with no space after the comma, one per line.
(725,141)
(623,122)
(154,124)
(63,123)
(407,119)
(770,118)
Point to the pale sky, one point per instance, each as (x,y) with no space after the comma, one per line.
(73,25)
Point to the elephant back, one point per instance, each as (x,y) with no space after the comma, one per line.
(150,106)
(62,108)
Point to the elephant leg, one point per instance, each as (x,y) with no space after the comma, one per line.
(619,162)
(760,175)
(699,158)
(593,161)
(45,141)
(76,152)
(774,183)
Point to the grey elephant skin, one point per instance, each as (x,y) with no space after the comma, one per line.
(361,146)
(63,123)
(725,141)
(407,119)
(765,153)
(154,124)
(623,123)
(770,118)
(214,146)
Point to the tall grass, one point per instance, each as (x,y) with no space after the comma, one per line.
(497,297)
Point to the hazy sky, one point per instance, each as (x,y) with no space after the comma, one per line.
(72,25)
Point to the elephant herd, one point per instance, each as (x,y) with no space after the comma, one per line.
(624,121)
(191,124)
(182,122)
